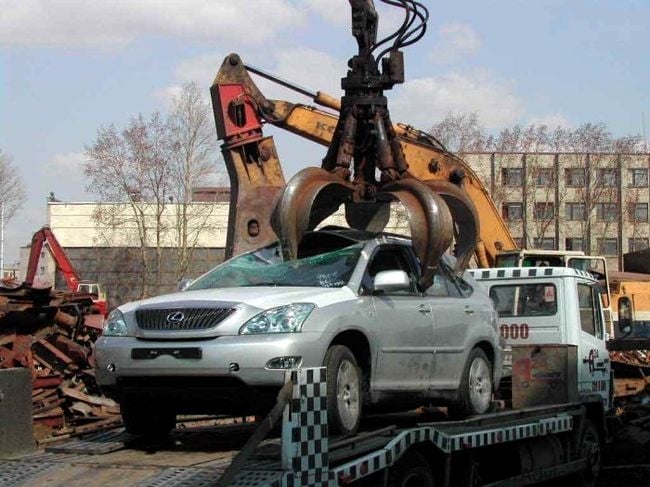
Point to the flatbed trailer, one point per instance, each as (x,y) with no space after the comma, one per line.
(511,447)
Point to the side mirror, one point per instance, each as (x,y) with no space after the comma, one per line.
(624,316)
(391,281)
(183,284)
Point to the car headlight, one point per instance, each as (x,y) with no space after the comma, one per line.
(284,319)
(115,325)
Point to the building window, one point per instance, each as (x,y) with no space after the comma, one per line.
(606,212)
(639,178)
(607,178)
(575,177)
(575,211)
(543,177)
(639,212)
(608,246)
(513,211)
(512,176)
(546,243)
(635,244)
(544,211)
(575,243)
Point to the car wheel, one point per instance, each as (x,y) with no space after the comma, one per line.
(343,390)
(412,470)
(146,418)
(475,392)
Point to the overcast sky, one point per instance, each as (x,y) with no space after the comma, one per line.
(68,67)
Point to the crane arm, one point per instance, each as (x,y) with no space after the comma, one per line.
(45,235)
(238,104)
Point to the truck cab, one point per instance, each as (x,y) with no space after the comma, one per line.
(554,306)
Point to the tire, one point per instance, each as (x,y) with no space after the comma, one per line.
(475,390)
(146,418)
(412,470)
(344,380)
(590,449)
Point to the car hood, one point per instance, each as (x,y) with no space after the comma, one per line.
(258,297)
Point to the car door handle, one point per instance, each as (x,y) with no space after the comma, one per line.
(468,310)
(424,309)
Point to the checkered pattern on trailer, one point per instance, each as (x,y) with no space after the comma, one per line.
(449,443)
(305,442)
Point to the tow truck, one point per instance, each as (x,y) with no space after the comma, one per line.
(551,424)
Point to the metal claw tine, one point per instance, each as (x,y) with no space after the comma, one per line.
(430,220)
(465,218)
(308,198)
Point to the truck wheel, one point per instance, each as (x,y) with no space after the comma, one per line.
(146,419)
(343,390)
(412,470)
(590,450)
(475,391)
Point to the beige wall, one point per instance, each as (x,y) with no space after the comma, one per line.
(74,226)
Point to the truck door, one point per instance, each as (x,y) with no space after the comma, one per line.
(593,358)
(403,326)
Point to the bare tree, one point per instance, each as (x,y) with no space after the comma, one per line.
(131,167)
(12,191)
(462,133)
(193,164)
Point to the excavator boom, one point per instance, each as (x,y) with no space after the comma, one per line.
(240,111)
(58,254)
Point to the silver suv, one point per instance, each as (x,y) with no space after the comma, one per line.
(350,303)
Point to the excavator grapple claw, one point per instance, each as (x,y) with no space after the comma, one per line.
(365,167)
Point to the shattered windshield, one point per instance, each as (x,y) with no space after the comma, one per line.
(265,267)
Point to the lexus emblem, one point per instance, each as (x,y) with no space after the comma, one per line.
(175,318)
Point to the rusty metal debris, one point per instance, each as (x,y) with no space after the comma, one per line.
(364,144)
(52,332)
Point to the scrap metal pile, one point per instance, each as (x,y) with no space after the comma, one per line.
(51,332)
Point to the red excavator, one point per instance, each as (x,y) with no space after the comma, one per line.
(63,264)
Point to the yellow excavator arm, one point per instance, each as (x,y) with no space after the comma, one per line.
(240,109)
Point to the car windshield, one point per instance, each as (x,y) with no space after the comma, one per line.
(265,267)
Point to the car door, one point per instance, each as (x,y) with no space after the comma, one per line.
(456,321)
(402,324)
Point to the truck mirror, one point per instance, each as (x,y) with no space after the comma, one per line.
(624,316)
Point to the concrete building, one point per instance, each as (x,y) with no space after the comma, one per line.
(597,203)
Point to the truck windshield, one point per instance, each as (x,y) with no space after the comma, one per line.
(265,267)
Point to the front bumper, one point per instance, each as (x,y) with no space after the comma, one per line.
(242,358)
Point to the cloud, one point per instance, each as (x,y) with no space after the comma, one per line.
(67,171)
(551,121)
(422,101)
(336,12)
(100,23)
(455,41)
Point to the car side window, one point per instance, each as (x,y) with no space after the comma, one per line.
(445,283)
(389,258)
